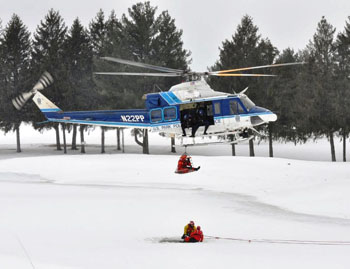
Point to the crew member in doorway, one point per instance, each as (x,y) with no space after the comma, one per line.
(200,120)
(195,236)
(204,119)
(186,122)
(196,121)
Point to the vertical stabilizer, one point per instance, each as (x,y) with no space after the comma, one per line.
(44,104)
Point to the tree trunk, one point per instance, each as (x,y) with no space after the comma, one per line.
(58,142)
(251,148)
(118,138)
(344,146)
(18,139)
(233,147)
(123,141)
(173,149)
(64,138)
(331,141)
(145,142)
(103,140)
(82,149)
(74,138)
(270,140)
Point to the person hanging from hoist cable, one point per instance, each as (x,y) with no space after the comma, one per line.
(184,165)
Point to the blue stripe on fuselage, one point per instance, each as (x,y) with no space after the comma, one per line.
(174,97)
(146,124)
(167,98)
(50,110)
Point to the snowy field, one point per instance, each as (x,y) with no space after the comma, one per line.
(119,210)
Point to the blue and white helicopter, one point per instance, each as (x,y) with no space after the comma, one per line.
(187,111)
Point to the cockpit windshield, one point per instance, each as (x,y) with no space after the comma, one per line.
(247,102)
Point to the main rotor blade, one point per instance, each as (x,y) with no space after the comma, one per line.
(139,74)
(241,75)
(256,67)
(143,65)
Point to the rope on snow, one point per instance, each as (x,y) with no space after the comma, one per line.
(25,251)
(285,241)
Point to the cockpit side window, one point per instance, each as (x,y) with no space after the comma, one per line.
(235,108)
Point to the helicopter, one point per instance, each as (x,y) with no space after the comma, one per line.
(189,106)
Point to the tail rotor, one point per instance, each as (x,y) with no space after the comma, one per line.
(45,80)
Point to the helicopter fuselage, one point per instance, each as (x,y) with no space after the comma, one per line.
(174,112)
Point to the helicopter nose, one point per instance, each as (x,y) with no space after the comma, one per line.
(269,117)
(264,114)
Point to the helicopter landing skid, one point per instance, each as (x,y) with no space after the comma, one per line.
(204,140)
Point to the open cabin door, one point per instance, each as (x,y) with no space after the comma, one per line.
(196,114)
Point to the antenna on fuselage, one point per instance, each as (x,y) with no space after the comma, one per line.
(242,92)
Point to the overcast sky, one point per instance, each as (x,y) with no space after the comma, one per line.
(205,24)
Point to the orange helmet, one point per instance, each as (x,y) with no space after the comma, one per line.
(183,156)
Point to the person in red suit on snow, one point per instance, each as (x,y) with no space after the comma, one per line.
(196,236)
(184,165)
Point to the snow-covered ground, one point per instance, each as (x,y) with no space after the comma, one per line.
(116,210)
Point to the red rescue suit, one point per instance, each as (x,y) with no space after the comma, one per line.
(196,236)
(184,165)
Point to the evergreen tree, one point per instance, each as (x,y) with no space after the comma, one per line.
(322,62)
(97,32)
(139,36)
(15,63)
(266,93)
(240,51)
(113,39)
(110,87)
(285,98)
(48,48)
(139,31)
(78,63)
(168,48)
(2,76)
(246,48)
(343,83)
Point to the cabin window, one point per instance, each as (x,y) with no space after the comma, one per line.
(169,113)
(217,108)
(235,108)
(156,115)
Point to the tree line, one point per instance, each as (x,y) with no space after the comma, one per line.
(311,100)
